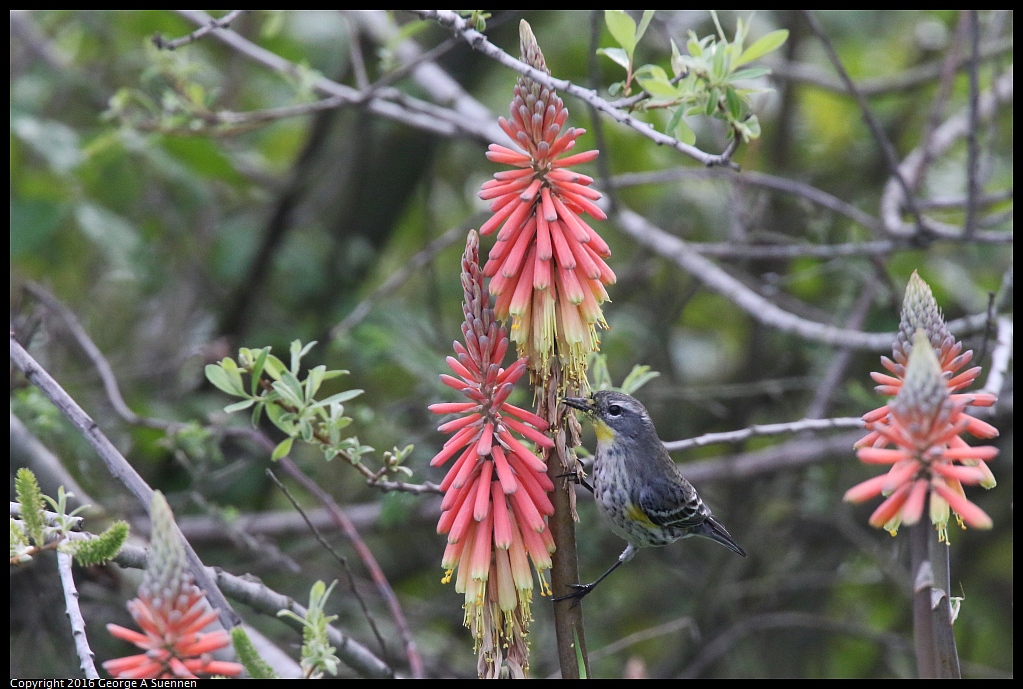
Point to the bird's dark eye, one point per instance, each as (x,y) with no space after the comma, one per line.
(614,410)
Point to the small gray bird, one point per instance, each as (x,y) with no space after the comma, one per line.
(637,486)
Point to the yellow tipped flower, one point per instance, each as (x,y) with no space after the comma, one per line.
(547,268)
(495,493)
(924,422)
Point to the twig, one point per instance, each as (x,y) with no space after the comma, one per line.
(221,23)
(972,154)
(720,646)
(99,361)
(266,601)
(117,465)
(340,558)
(758,179)
(411,111)
(26,450)
(74,614)
(480,43)
(836,369)
(50,518)
(759,308)
(765,430)
(913,165)
(868,115)
(1000,356)
(282,524)
(367,557)
(914,77)
(396,279)
(783,457)
(669,627)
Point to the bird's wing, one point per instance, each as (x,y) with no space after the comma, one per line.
(673,504)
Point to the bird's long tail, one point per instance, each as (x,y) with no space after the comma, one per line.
(713,530)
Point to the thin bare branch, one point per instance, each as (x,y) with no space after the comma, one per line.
(868,115)
(367,557)
(835,372)
(786,456)
(766,430)
(716,279)
(722,644)
(972,153)
(757,179)
(481,44)
(1000,357)
(117,465)
(74,614)
(99,361)
(342,560)
(914,77)
(914,166)
(397,279)
(410,111)
(266,601)
(222,23)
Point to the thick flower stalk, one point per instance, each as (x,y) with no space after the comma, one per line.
(495,493)
(172,613)
(547,267)
(924,423)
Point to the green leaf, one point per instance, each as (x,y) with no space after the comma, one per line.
(763,46)
(339,397)
(216,374)
(637,378)
(681,129)
(751,73)
(290,389)
(617,54)
(313,382)
(643,24)
(274,367)
(257,368)
(622,28)
(283,449)
(257,412)
(734,103)
(655,81)
(238,406)
(677,66)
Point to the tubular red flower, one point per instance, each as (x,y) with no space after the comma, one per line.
(923,422)
(495,489)
(172,611)
(547,267)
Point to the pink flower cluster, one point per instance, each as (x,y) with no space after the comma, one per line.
(547,268)
(172,612)
(495,493)
(924,423)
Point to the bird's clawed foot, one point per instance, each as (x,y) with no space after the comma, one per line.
(575,477)
(577,595)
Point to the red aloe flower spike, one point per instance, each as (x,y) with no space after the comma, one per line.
(547,267)
(172,611)
(495,491)
(923,422)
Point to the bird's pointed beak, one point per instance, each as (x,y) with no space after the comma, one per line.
(581,403)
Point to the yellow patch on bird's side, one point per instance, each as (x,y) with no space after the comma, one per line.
(637,515)
(603,431)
